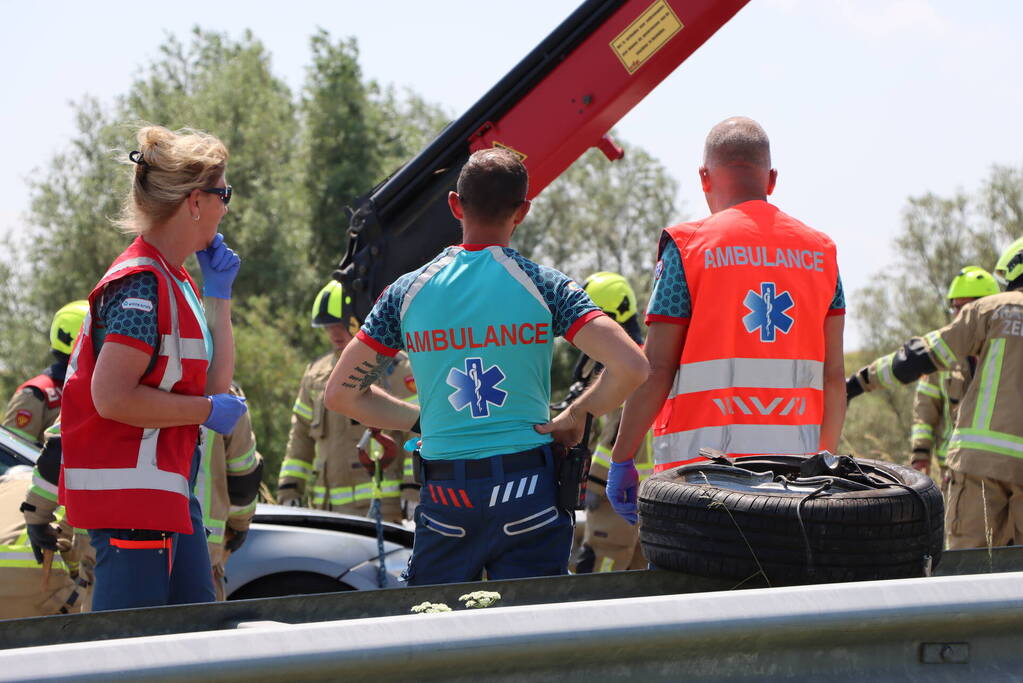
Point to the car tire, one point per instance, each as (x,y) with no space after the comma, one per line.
(710,519)
(289,583)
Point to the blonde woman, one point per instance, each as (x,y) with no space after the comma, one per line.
(151,365)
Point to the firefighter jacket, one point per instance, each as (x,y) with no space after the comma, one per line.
(750,377)
(41,507)
(227,485)
(322,461)
(935,407)
(114,475)
(22,593)
(987,441)
(36,404)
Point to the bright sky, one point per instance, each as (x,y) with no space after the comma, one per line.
(866,101)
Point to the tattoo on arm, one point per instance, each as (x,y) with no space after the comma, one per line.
(367,373)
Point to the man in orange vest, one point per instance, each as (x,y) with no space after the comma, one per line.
(745,327)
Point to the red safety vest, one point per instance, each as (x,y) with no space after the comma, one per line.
(114,475)
(50,388)
(750,379)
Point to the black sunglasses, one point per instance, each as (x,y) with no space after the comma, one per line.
(223,192)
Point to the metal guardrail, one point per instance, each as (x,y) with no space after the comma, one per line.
(955,628)
(154,621)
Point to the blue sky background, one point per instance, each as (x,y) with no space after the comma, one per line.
(866,102)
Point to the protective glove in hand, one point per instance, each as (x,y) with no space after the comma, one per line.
(853,387)
(42,537)
(226,410)
(219,265)
(234,540)
(622,488)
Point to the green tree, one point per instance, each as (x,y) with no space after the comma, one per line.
(354,133)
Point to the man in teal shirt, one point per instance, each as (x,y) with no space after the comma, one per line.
(478,323)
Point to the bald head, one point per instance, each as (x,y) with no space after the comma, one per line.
(738,142)
(736,164)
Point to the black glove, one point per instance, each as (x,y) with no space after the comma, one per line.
(853,388)
(235,540)
(42,537)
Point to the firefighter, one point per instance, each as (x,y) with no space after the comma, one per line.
(479,323)
(609,542)
(985,450)
(25,588)
(227,487)
(321,465)
(36,403)
(938,395)
(745,326)
(153,363)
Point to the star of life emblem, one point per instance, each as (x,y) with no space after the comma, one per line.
(767,312)
(476,387)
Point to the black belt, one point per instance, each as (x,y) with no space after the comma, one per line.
(480,469)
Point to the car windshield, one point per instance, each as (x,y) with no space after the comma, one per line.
(14,450)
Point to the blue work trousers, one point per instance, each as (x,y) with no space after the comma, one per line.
(138,568)
(505,523)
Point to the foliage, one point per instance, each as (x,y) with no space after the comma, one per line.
(600,215)
(480,599)
(939,236)
(430,608)
(353,134)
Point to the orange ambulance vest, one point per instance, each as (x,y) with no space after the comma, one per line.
(750,379)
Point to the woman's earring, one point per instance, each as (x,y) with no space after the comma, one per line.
(196,218)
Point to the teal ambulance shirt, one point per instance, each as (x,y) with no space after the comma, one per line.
(478,324)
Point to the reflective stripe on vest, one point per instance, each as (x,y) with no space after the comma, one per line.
(43,488)
(990,376)
(672,450)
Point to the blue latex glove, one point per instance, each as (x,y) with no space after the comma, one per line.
(219,265)
(622,487)
(224,414)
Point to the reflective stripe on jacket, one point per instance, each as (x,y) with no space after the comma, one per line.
(115,475)
(750,379)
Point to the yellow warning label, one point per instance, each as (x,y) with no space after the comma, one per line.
(646,35)
(520,155)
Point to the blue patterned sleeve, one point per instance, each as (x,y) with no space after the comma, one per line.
(382,328)
(838,302)
(669,302)
(128,310)
(570,305)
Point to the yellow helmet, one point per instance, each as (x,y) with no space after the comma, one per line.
(332,306)
(66,325)
(972,282)
(613,294)
(1010,264)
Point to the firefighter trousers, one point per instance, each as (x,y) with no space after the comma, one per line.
(142,568)
(497,514)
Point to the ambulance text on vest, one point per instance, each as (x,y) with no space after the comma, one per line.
(719,257)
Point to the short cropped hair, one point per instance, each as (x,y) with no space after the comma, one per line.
(492,184)
(737,141)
